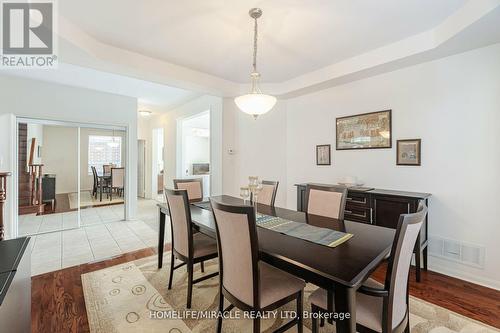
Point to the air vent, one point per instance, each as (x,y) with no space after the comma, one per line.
(467,254)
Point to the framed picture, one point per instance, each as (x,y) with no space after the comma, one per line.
(323,155)
(364,131)
(408,152)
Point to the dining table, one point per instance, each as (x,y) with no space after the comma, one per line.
(340,270)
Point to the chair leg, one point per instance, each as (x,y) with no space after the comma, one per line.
(315,326)
(407,328)
(221,311)
(300,309)
(172,261)
(190,284)
(202,264)
(256,325)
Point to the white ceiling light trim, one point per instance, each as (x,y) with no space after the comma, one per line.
(255,103)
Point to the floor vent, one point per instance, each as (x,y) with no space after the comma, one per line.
(467,254)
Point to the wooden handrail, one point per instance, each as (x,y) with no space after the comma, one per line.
(3,198)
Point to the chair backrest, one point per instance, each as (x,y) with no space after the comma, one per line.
(117,177)
(238,251)
(94,173)
(106,168)
(180,222)
(326,201)
(267,196)
(193,186)
(396,281)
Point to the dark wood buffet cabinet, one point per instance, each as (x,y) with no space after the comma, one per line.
(382,208)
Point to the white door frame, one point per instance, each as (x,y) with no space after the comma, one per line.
(78,125)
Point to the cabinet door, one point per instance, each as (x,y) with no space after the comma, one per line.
(386,210)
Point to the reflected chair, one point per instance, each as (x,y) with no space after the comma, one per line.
(328,201)
(187,247)
(267,196)
(106,169)
(193,186)
(384,308)
(245,281)
(117,182)
(95,187)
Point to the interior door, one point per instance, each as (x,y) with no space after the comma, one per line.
(141,168)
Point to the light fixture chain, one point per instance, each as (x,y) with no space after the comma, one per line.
(255,46)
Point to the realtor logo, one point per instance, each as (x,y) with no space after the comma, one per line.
(28,34)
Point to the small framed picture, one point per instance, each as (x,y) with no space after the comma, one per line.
(323,155)
(408,152)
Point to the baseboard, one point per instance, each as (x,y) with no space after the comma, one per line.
(485,282)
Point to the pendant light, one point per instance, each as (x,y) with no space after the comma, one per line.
(255,103)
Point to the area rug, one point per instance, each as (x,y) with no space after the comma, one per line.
(133,297)
(87,200)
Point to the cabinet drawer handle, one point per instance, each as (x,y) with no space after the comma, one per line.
(358,215)
(357,201)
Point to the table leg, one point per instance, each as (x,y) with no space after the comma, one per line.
(161,238)
(345,302)
(100,185)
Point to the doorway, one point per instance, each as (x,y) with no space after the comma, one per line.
(157,165)
(195,149)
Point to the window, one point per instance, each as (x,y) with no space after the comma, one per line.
(104,150)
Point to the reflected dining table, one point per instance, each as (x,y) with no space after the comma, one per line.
(342,269)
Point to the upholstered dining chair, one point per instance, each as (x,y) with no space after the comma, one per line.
(245,281)
(326,201)
(188,247)
(193,186)
(106,169)
(117,181)
(384,307)
(95,187)
(267,196)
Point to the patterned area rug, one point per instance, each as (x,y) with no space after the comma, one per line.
(133,297)
(87,200)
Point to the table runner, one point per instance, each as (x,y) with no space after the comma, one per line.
(322,236)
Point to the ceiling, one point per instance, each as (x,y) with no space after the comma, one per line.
(215,37)
(147,92)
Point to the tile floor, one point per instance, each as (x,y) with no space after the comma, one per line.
(103,234)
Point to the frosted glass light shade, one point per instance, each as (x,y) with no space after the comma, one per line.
(255,103)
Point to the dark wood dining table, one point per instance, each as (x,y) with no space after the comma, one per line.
(342,269)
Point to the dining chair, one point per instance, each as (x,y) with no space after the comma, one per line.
(96,182)
(193,186)
(188,247)
(117,181)
(384,307)
(326,201)
(267,196)
(106,169)
(245,281)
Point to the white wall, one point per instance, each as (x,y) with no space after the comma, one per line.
(60,156)
(259,148)
(37,99)
(452,104)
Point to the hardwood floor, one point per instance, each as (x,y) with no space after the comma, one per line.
(58,304)
(468,299)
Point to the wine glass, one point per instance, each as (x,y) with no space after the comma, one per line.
(244,193)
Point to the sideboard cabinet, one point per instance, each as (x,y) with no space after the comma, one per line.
(383,208)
